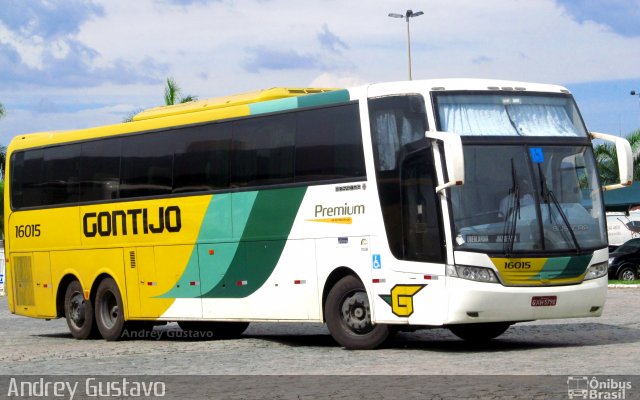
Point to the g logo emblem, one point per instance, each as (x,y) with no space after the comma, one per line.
(401,299)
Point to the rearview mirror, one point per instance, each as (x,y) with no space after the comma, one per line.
(625,159)
(453,156)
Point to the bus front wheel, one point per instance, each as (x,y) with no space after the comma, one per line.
(78,312)
(109,310)
(348,315)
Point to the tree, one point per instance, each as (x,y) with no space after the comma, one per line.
(3,159)
(607,159)
(3,149)
(172,95)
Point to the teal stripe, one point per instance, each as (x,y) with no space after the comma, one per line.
(310,100)
(273,105)
(321,99)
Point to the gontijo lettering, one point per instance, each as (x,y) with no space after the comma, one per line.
(134,222)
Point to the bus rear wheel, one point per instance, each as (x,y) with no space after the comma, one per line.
(214,330)
(478,333)
(348,315)
(109,310)
(79,312)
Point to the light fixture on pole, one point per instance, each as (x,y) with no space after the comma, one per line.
(406,16)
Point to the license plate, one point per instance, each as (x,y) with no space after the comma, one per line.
(544,301)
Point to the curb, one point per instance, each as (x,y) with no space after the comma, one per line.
(621,286)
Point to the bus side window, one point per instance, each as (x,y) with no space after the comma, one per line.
(263,151)
(60,177)
(100,170)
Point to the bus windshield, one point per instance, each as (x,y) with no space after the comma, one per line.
(528,199)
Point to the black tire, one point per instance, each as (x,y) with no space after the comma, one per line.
(109,310)
(214,330)
(348,316)
(478,333)
(628,273)
(79,312)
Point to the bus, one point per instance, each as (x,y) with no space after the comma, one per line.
(458,203)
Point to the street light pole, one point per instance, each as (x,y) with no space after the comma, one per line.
(406,16)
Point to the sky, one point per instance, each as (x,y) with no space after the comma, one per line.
(71,64)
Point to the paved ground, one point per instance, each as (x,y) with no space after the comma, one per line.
(609,345)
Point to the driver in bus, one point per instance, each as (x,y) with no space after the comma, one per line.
(508,202)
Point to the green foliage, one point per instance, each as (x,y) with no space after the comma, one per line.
(608,161)
(2,112)
(2,208)
(3,160)
(129,117)
(172,95)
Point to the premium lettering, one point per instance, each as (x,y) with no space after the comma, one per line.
(132,222)
(339,211)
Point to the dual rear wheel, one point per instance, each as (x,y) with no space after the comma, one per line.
(86,320)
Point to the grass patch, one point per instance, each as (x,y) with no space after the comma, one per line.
(636,282)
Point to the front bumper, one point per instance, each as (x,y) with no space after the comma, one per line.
(471,302)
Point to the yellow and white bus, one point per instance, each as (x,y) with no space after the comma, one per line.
(468,204)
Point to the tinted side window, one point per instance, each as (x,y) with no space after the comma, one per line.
(61,175)
(147,162)
(397,123)
(26,178)
(263,151)
(100,170)
(201,160)
(329,144)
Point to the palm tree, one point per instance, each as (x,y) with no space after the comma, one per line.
(172,95)
(3,149)
(608,161)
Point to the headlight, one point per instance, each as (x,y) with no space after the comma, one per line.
(479,274)
(597,270)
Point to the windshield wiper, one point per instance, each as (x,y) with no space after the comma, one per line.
(513,213)
(549,197)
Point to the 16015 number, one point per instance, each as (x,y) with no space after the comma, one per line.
(24,231)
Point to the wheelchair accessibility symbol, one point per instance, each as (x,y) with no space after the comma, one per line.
(377,263)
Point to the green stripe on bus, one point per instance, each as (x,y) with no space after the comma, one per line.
(262,242)
(563,267)
(241,264)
